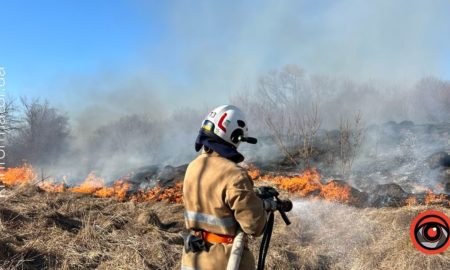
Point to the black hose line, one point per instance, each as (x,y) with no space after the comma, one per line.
(264,248)
(282,206)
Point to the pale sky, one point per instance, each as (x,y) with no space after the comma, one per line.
(186,53)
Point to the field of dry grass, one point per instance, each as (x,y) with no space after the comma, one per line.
(40,230)
(324,235)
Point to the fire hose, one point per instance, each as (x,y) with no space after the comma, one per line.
(271,204)
(236,251)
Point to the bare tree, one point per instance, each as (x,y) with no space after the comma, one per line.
(280,140)
(285,97)
(309,125)
(299,135)
(41,136)
(8,121)
(350,139)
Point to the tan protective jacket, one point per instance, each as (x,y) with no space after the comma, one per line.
(218,197)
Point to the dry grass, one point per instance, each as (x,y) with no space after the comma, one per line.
(71,231)
(324,235)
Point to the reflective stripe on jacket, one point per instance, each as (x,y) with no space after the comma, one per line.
(197,218)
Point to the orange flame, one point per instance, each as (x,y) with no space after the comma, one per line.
(119,190)
(336,193)
(52,186)
(171,194)
(17,176)
(411,201)
(304,184)
(91,184)
(94,185)
(432,198)
(307,184)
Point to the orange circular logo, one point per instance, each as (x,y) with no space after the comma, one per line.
(429,232)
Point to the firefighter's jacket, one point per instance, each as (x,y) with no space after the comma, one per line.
(218,197)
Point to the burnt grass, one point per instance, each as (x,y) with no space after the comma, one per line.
(395,161)
(392,160)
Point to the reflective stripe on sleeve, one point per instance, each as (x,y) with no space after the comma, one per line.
(210,219)
(188,268)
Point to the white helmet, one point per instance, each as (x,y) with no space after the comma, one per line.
(228,123)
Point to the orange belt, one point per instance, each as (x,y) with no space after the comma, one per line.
(214,238)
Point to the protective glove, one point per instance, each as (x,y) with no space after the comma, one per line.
(267,195)
(270,205)
(265,192)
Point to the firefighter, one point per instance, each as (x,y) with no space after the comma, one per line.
(218,194)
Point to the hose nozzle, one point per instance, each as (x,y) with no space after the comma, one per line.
(250,140)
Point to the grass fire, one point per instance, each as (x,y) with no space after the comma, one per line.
(305,185)
(93,185)
(98,225)
(346,194)
(311,135)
